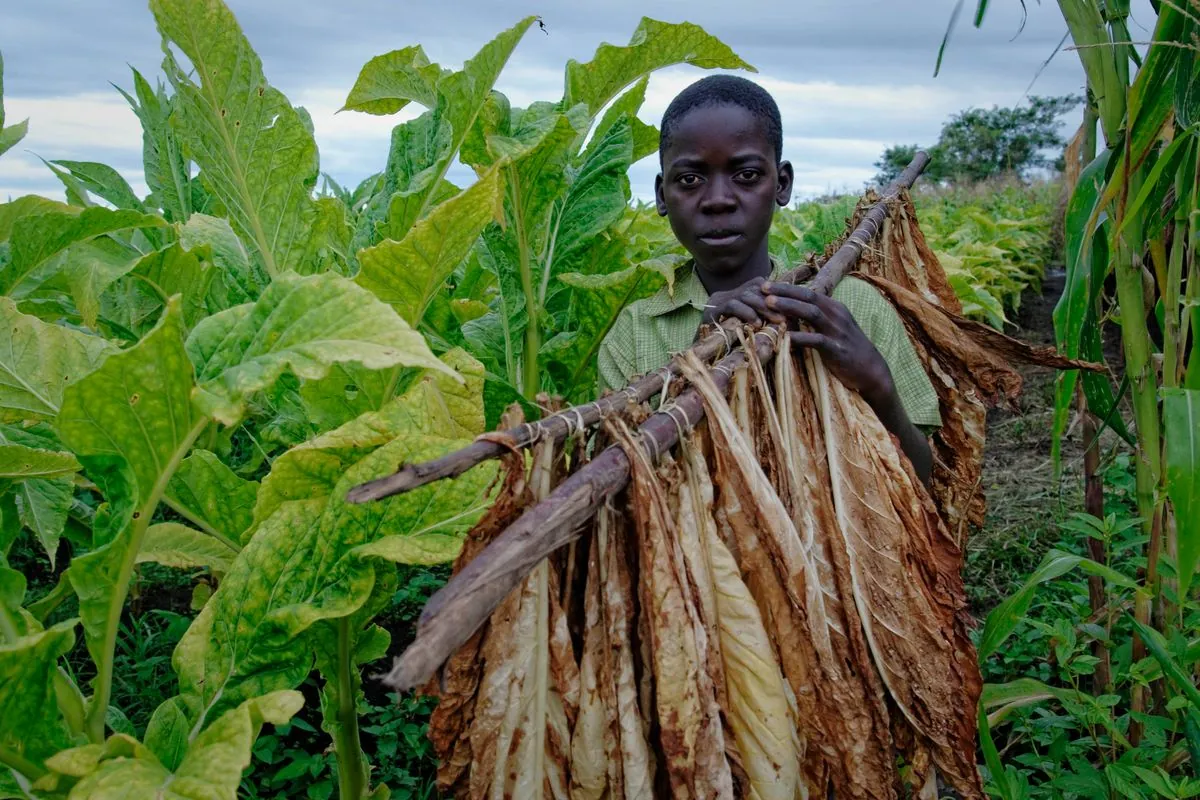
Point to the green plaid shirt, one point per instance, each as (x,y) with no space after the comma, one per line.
(649,331)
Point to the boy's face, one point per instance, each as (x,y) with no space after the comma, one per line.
(720,184)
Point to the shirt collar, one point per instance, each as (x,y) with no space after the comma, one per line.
(688,291)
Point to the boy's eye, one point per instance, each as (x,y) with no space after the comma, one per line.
(747,175)
(688,179)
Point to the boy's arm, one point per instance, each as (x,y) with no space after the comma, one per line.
(853,359)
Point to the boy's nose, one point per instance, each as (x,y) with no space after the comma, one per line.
(718,198)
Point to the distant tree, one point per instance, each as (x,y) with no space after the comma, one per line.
(979,143)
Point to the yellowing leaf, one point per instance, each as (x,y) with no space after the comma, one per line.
(19,462)
(37,361)
(175,545)
(389,82)
(31,725)
(255,154)
(302,325)
(211,496)
(407,274)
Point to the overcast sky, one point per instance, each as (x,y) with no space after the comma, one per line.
(851,76)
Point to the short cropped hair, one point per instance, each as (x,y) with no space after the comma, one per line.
(717,90)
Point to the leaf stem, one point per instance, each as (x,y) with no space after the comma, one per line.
(102,691)
(352,779)
(184,512)
(21,764)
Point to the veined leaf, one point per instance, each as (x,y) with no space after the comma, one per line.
(212,767)
(389,82)
(103,181)
(38,361)
(132,420)
(1181,432)
(304,564)
(27,206)
(214,240)
(351,390)
(1084,276)
(42,507)
(654,45)
(256,154)
(175,545)
(39,237)
(136,300)
(302,325)
(85,270)
(212,497)
(406,274)
(18,462)
(31,726)
(13,133)
(163,162)
(645,137)
(1005,617)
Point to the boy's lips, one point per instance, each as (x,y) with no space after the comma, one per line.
(720,238)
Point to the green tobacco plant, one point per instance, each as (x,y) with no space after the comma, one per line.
(12,134)
(547,279)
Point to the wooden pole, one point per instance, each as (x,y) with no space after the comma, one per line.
(456,611)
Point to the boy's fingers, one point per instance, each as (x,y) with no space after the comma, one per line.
(807,339)
(759,304)
(792,290)
(796,309)
(736,308)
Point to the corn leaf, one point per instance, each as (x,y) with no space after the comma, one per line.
(38,361)
(1181,432)
(1005,617)
(256,154)
(31,726)
(407,274)
(302,325)
(654,45)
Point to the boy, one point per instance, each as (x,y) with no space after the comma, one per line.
(722,176)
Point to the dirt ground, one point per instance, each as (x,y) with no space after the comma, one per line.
(1025,501)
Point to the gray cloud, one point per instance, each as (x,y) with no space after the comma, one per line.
(848,75)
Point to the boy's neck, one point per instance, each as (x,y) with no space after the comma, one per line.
(757,266)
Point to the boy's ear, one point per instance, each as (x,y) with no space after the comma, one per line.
(783,189)
(660,202)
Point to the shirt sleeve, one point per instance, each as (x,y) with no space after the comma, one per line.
(883,326)
(615,362)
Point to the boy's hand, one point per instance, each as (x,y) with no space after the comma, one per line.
(746,302)
(844,348)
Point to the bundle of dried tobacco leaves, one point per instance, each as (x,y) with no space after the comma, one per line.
(772,610)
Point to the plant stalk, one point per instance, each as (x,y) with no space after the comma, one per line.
(352,777)
(102,690)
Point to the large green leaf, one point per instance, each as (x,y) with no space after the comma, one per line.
(14,133)
(163,162)
(19,462)
(350,390)
(175,545)
(85,271)
(37,238)
(302,564)
(136,301)
(645,137)
(1082,281)
(256,154)
(42,507)
(389,82)
(212,497)
(1181,432)
(38,361)
(29,205)
(1004,618)
(211,768)
(301,325)
(31,726)
(407,274)
(654,45)
(103,181)
(214,240)
(423,149)
(132,420)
